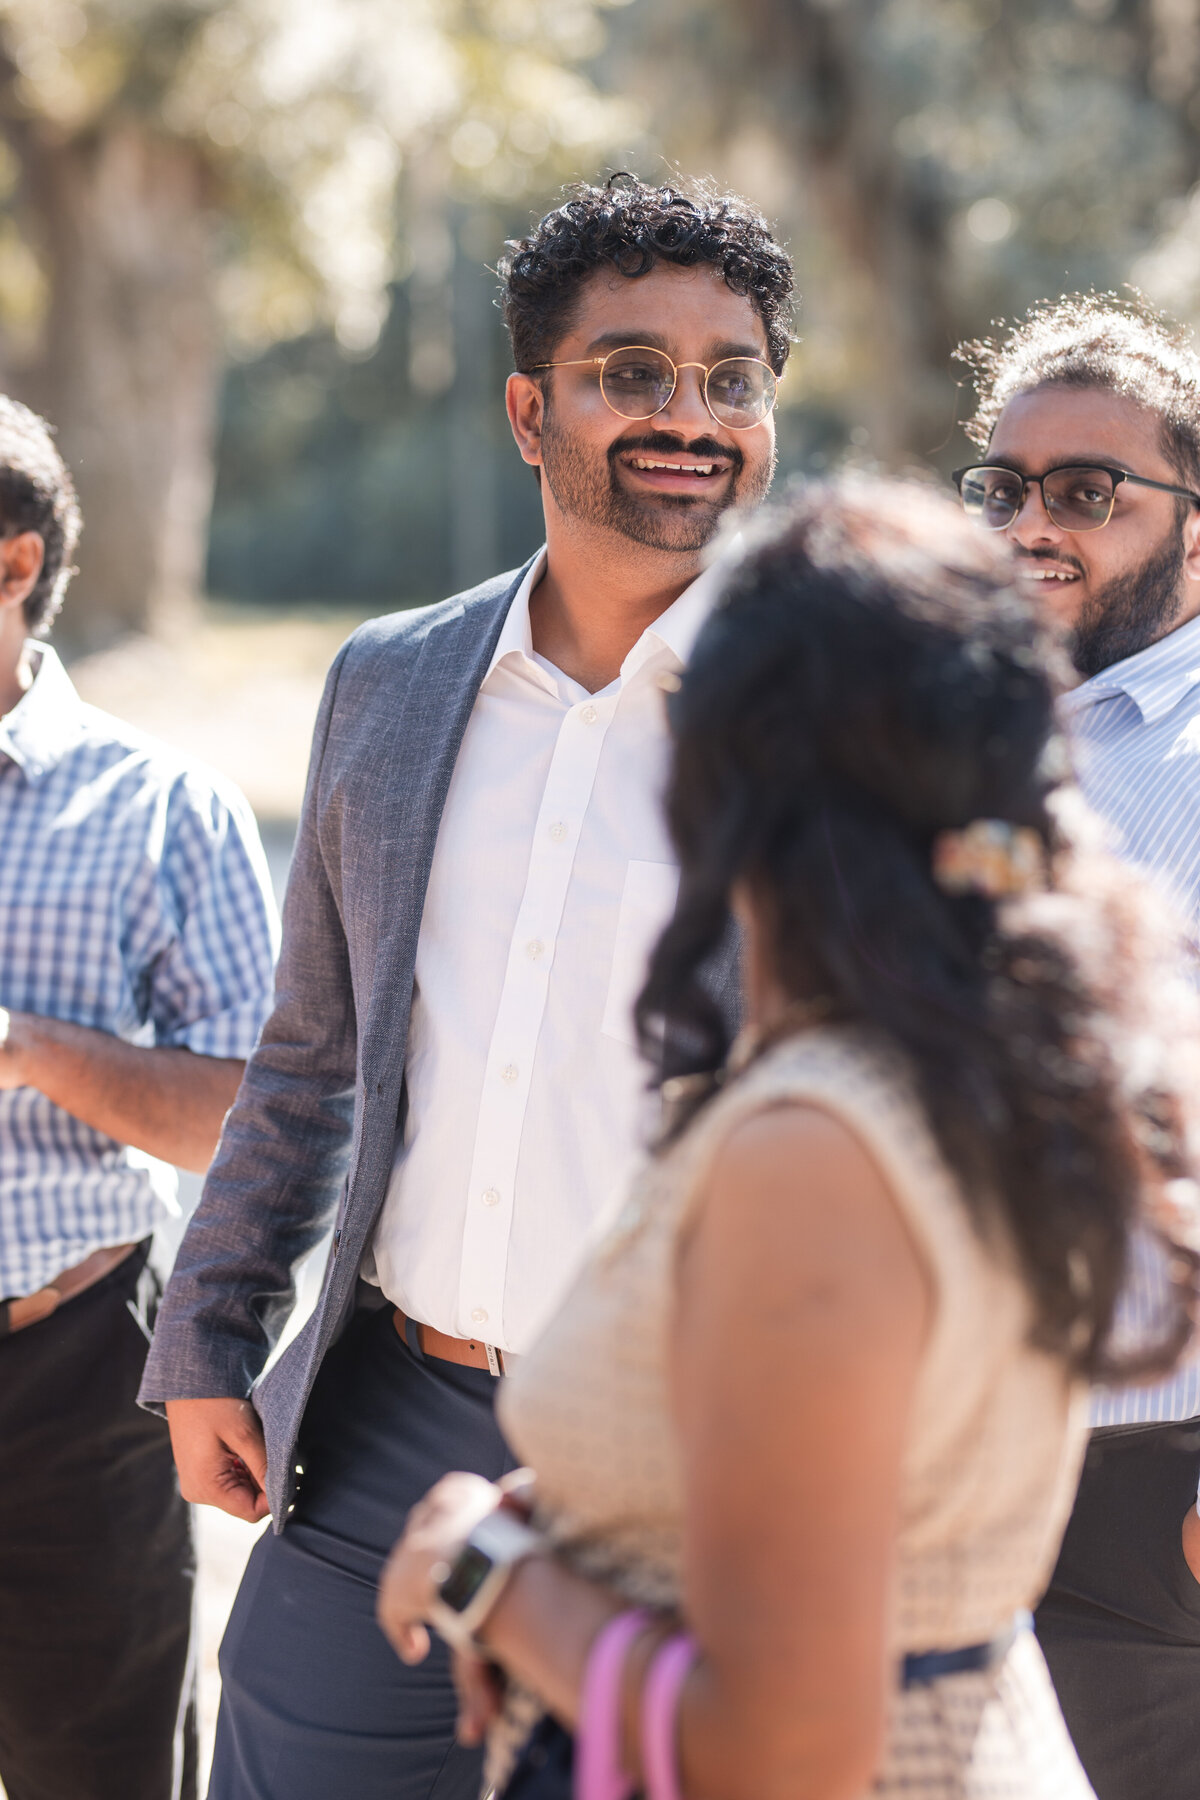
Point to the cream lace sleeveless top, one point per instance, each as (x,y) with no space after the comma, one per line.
(997,1429)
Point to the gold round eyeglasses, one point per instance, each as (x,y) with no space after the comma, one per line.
(637,382)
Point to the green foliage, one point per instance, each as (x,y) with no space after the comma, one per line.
(305,114)
(934,164)
(937,163)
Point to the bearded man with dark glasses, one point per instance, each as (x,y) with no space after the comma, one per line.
(1088,425)
(450,1077)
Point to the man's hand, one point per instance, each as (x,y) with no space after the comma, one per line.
(221,1455)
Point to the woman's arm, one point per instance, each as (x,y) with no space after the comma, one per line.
(803,1310)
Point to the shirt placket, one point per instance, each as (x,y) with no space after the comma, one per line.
(513,1046)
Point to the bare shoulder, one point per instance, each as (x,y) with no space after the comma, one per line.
(797,1150)
(797,1190)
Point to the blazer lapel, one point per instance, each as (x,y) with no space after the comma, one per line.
(416,756)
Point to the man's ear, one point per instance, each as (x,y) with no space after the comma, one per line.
(21,559)
(526,404)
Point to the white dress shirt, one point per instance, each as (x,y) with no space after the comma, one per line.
(1135,732)
(552,878)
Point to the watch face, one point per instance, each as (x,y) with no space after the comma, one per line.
(466,1578)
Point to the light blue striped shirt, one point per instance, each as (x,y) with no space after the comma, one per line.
(134,899)
(1135,729)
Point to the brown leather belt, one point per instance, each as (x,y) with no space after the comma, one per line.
(469,1353)
(30,1308)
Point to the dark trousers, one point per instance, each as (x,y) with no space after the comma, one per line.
(1120,1624)
(97,1569)
(315,1705)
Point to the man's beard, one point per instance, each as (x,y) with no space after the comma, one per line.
(1131,612)
(673,522)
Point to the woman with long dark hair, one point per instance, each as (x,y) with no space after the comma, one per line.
(807,1428)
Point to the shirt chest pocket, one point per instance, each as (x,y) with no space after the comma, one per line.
(647,903)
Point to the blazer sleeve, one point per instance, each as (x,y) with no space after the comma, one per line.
(274,1185)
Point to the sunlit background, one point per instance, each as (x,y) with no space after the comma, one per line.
(244,268)
(245,245)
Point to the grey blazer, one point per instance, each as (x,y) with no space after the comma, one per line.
(310,1139)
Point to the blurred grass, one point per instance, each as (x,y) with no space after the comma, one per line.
(239,690)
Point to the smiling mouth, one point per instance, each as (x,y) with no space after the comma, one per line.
(1035,574)
(664,465)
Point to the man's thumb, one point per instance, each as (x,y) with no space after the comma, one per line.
(251,1446)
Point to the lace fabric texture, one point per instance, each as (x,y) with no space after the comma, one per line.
(995,1443)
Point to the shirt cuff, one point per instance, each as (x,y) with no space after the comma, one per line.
(231,1033)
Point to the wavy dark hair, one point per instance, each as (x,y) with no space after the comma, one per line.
(869,679)
(628,227)
(1094,341)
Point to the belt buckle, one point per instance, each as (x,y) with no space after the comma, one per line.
(495,1359)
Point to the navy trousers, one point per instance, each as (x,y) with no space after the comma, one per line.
(315,1704)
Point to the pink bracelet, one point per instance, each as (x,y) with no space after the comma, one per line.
(598,1773)
(660,1713)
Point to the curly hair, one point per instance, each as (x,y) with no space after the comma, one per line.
(1094,341)
(869,680)
(37,494)
(630,227)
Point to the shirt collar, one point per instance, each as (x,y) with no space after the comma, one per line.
(516,633)
(675,630)
(46,721)
(1155,679)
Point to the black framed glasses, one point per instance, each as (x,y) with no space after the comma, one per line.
(638,381)
(1077,496)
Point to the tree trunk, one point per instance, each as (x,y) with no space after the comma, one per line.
(888,222)
(130,366)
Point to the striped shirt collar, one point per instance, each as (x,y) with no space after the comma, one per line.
(1155,679)
(46,722)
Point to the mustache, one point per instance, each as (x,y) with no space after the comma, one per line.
(661,443)
(1054,556)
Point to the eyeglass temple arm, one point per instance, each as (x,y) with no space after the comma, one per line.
(1164,487)
(569,362)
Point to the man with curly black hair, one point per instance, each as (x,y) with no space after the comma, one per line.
(1088,427)
(451,1076)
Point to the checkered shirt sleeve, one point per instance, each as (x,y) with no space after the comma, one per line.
(135,900)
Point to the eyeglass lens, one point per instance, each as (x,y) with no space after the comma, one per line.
(638,383)
(1076,499)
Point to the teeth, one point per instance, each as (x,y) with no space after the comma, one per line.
(1048,575)
(644,462)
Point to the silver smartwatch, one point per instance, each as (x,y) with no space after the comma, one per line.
(478,1575)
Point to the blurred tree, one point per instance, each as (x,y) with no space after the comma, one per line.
(179,169)
(936,162)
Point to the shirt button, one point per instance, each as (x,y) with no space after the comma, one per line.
(490,1196)
(588,715)
(479,1315)
(558,831)
(509,1072)
(535,948)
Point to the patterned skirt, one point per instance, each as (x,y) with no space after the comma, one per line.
(996,1734)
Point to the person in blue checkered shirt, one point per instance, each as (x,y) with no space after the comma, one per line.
(137,941)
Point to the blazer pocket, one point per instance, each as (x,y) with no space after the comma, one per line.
(647,904)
